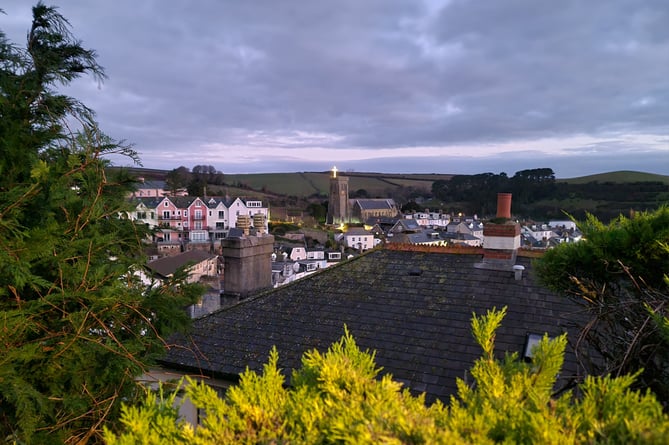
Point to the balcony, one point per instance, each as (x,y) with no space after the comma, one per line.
(170,218)
(198,218)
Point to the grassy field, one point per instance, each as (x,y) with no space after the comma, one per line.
(318,183)
(619,176)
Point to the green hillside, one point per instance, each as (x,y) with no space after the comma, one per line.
(618,177)
(306,184)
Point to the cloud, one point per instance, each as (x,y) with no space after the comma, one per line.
(209,79)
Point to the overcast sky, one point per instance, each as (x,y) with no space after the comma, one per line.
(460,86)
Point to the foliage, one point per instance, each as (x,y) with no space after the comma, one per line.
(618,273)
(76,327)
(177,179)
(412,207)
(537,193)
(195,182)
(318,211)
(339,397)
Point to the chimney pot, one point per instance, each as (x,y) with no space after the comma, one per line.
(504,205)
(518,271)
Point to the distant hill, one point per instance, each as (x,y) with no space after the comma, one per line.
(316,184)
(622,176)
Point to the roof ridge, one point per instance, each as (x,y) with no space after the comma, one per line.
(458,250)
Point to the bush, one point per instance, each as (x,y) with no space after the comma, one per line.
(338,397)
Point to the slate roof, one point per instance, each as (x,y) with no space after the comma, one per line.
(168,265)
(413,307)
(356,231)
(150,202)
(153,184)
(375,204)
(381,220)
(424,236)
(403,225)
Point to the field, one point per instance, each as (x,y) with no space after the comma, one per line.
(618,177)
(307,184)
(316,184)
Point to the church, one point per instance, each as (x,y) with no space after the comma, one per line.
(342,210)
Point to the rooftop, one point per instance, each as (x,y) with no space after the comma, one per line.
(411,304)
(168,265)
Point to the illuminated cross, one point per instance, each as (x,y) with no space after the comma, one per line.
(334,171)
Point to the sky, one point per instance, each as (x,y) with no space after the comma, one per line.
(413,86)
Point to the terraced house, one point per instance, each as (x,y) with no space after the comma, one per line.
(189,220)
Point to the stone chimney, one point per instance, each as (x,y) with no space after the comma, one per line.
(247,264)
(501,237)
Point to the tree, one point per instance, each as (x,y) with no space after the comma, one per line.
(76,326)
(619,276)
(339,397)
(317,211)
(201,176)
(177,179)
(360,193)
(412,207)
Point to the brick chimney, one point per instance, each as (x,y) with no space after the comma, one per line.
(501,237)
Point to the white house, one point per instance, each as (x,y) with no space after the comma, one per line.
(359,238)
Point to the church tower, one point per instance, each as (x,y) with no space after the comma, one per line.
(338,206)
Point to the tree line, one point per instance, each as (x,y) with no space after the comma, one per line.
(193,181)
(536,193)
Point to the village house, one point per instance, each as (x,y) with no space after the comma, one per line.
(410,304)
(380,225)
(432,220)
(154,188)
(188,221)
(358,238)
(199,267)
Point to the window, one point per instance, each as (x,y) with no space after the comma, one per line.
(166,204)
(221,214)
(220,225)
(198,225)
(141,215)
(166,214)
(198,214)
(198,236)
